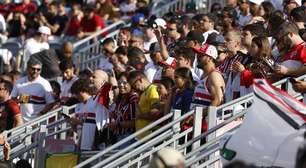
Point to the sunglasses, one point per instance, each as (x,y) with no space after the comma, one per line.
(35,69)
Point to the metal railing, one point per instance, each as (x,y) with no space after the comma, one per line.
(218,117)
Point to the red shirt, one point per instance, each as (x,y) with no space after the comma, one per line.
(25,8)
(8,111)
(90,25)
(5,9)
(73,27)
(296,57)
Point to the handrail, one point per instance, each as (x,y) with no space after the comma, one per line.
(99,32)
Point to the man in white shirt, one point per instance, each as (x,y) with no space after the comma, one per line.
(33,92)
(37,43)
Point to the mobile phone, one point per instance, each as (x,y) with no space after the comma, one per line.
(292,80)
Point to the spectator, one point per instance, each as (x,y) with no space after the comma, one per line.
(69,78)
(56,88)
(183,94)
(167,157)
(288,40)
(148,102)
(16,24)
(120,59)
(289,5)
(33,92)
(245,15)
(36,44)
(207,25)
(249,32)
(74,23)
(124,113)
(210,91)
(266,8)
(26,7)
(90,23)
(10,111)
(89,114)
(298,16)
(136,58)
(108,50)
(105,9)
(124,36)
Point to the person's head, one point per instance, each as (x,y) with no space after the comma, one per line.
(98,78)
(275,20)
(266,8)
(260,48)
(231,3)
(298,15)
(172,28)
(123,84)
(33,69)
(124,35)
(52,8)
(44,32)
(138,81)
(5,89)
(233,41)
(289,5)
(287,36)
(244,6)
(185,57)
(194,39)
(108,47)
(136,41)
(155,53)
(183,78)
(136,58)
(67,69)
(207,22)
(15,75)
(56,88)
(165,87)
(149,33)
(185,25)
(61,8)
(206,56)
(67,50)
(216,8)
(250,31)
(80,89)
(121,53)
(166,158)
(85,74)
(89,12)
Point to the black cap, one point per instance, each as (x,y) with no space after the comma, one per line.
(154,48)
(195,36)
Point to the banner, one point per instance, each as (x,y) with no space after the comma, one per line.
(272,129)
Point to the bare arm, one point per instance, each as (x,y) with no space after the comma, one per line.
(161,41)
(216,86)
(18,120)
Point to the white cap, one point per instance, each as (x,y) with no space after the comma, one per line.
(257,2)
(207,49)
(44,30)
(167,157)
(161,22)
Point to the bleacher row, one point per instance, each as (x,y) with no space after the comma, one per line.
(29,140)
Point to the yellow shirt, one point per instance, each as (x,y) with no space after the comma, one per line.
(148,99)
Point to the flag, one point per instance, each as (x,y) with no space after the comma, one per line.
(272,129)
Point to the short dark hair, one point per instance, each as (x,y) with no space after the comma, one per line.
(81,85)
(66,64)
(167,82)
(7,85)
(122,50)
(135,51)
(298,14)
(187,53)
(107,41)
(185,73)
(256,29)
(33,61)
(135,74)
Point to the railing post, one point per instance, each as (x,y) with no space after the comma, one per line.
(197,126)
(176,127)
(212,121)
(39,151)
(65,110)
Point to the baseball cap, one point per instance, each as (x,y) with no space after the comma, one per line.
(285,2)
(257,2)
(166,157)
(160,22)
(215,39)
(207,49)
(195,36)
(44,30)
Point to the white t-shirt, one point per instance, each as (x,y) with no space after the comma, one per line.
(6,55)
(65,88)
(150,70)
(2,23)
(93,115)
(31,47)
(39,93)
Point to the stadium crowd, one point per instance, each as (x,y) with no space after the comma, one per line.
(179,61)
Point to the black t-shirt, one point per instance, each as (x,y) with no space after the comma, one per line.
(61,21)
(14,28)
